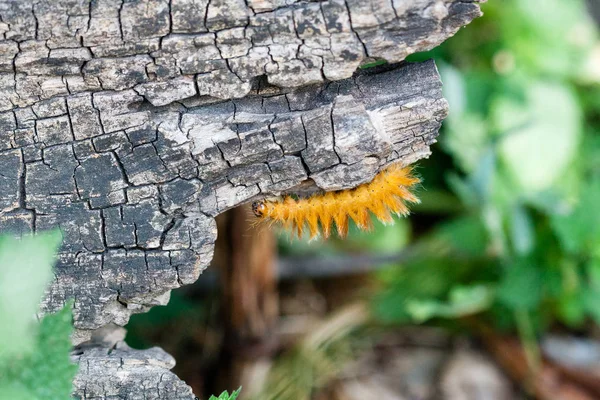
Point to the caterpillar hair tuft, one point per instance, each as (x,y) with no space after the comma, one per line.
(385,195)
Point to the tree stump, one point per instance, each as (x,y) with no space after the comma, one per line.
(131,124)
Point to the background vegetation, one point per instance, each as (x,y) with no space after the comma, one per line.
(513,188)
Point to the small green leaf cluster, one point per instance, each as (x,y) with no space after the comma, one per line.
(227,396)
(34,355)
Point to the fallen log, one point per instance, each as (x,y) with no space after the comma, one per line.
(132,124)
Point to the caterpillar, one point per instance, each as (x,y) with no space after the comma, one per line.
(386,194)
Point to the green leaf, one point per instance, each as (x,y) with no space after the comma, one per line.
(423,279)
(571,309)
(552,40)
(465,235)
(593,272)
(521,286)
(227,396)
(591,303)
(522,232)
(454,89)
(25,270)
(467,136)
(47,372)
(549,202)
(579,231)
(482,177)
(591,294)
(462,301)
(8,391)
(536,154)
(463,190)
(466,139)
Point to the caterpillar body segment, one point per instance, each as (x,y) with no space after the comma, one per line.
(385,195)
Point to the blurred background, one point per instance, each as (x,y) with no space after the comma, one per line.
(489,290)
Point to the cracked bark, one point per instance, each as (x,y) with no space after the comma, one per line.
(109,369)
(131,124)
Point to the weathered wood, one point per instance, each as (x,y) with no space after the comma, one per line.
(116,124)
(125,373)
(136,204)
(172,50)
(109,369)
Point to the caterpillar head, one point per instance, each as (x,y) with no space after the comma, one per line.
(259,208)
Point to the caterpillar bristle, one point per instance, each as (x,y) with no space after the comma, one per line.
(385,195)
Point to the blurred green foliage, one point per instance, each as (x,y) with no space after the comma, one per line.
(520,154)
(34,355)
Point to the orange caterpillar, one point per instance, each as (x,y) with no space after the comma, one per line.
(385,194)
